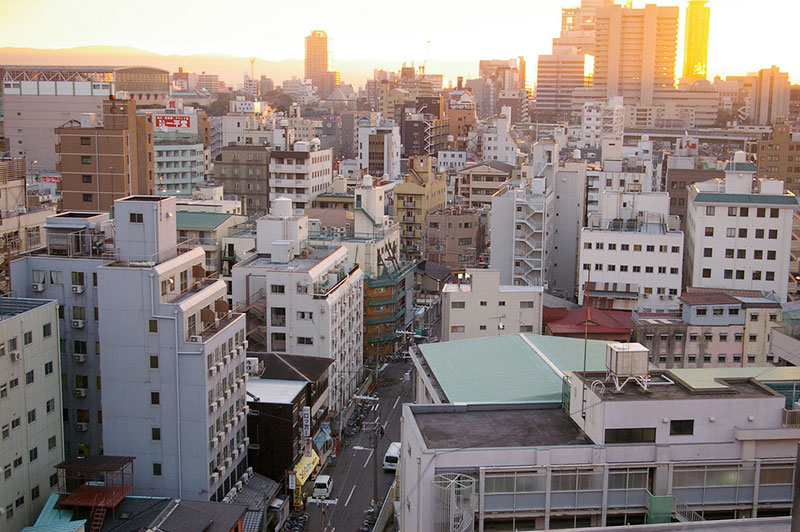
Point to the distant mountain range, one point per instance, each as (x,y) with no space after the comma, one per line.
(231,69)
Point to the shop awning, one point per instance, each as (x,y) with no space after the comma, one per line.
(305,467)
(323,436)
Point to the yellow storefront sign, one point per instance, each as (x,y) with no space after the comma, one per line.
(305,467)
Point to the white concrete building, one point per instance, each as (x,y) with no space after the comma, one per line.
(520,225)
(30,408)
(477,305)
(173,362)
(379,149)
(66,270)
(300,174)
(600,119)
(496,140)
(695,443)
(179,167)
(451,161)
(632,246)
(314,300)
(739,231)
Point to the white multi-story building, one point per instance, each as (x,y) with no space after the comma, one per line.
(314,299)
(30,408)
(632,246)
(179,167)
(379,148)
(451,161)
(300,174)
(478,305)
(601,119)
(739,231)
(496,140)
(66,270)
(521,223)
(173,362)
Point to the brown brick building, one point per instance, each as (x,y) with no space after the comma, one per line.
(243,171)
(779,157)
(100,164)
(454,237)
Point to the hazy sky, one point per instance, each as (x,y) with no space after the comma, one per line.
(746,35)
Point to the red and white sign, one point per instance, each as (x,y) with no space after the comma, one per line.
(175,121)
(50,178)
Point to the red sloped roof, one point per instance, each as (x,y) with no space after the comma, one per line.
(573,321)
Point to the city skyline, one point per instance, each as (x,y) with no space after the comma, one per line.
(409,38)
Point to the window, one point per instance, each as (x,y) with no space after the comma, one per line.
(47,330)
(722,357)
(681,427)
(729,253)
(87,198)
(457,304)
(625,247)
(773,234)
(153,361)
(701,312)
(86,179)
(644,435)
(723,337)
(136,218)
(152,326)
(727,274)
(155,433)
(742,232)
(770,276)
(731,211)
(710,211)
(35,493)
(756,275)
(156,469)
(483,303)
(752,338)
(86,141)
(737,337)
(305,340)
(651,248)
(708,252)
(29,377)
(86,159)
(526,304)
(32,416)
(740,274)
(637,247)
(719,311)
(730,232)
(759,233)
(774,213)
(676,249)
(673,271)
(648,269)
(637,269)
(456,328)
(155,398)
(706,273)
(51,443)
(709,231)
(754,317)
(744,211)
(51,405)
(758,254)
(33,454)
(771,254)
(761,212)
(708,337)
(277,289)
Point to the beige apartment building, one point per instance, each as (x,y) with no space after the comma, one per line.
(476,305)
(779,157)
(100,164)
(455,237)
(479,182)
(243,171)
(422,191)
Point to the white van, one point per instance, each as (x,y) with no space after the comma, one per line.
(392,456)
(322,487)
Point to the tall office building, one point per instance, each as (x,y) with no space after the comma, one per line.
(316,57)
(695,47)
(635,51)
(770,96)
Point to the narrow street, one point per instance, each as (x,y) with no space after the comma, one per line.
(352,471)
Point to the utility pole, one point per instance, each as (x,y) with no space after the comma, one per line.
(322,503)
(374,429)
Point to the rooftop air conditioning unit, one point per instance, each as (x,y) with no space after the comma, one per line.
(239,486)
(245,478)
(78,324)
(81,427)
(78,288)
(37,287)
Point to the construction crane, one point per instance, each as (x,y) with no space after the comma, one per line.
(425,58)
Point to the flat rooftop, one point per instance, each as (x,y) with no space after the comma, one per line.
(13,306)
(510,368)
(274,391)
(300,264)
(488,426)
(661,389)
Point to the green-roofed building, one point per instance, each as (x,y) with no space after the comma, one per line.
(739,232)
(511,368)
(208,229)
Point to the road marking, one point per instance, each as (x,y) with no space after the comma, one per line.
(368,457)
(349,496)
(395,402)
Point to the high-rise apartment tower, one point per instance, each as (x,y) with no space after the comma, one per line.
(695,51)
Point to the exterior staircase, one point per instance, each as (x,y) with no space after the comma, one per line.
(98,516)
